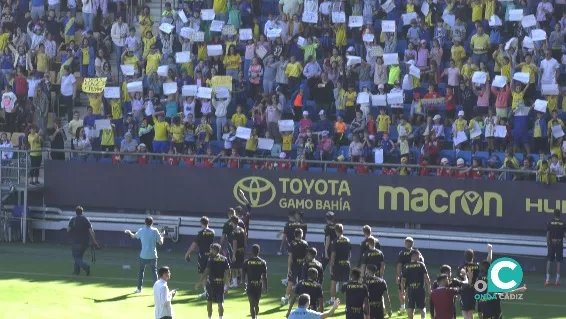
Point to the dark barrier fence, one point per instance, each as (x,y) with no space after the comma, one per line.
(361,198)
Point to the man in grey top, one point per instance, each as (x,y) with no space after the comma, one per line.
(274,110)
(221,107)
(269,75)
(149,237)
(129,145)
(364,75)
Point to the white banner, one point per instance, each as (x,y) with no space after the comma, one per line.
(135,86)
(273,33)
(216,25)
(355,21)
(522,77)
(127,69)
(479,77)
(495,21)
(204,93)
(222,92)
(395,98)
(301,41)
(112,92)
(189,90)
(197,36)
(540,105)
(549,89)
(408,17)
(166,27)
(246,34)
(186,32)
(169,88)
(499,81)
(515,14)
(449,19)
(425,8)
(363,97)
(557,131)
(379,100)
(310,17)
(214,50)
(338,17)
(207,14)
(182,16)
(529,21)
(414,71)
(388,6)
(510,43)
(538,35)
(388,25)
(162,70)
(265,144)
(391,58)
(353,60)
(500,131)
(244,133)
(183,57)
(460,138)
(286,126)
(368,37)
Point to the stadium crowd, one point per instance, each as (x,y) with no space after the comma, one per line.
(463,84)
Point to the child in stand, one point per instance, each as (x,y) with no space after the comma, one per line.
(475,125)
(489,122)
(203,133)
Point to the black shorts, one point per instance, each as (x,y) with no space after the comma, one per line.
(215,293)
(340,273)
(202,262)
(555,252)
(376,312)
(228,253)
(354,313)
(296,273)
(467,299)
(416,298)
(239,262)
(254,292)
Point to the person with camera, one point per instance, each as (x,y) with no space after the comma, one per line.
(149,237)
(80,228)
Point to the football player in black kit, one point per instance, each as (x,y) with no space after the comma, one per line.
(356,296)
(218,274)
(364,244)
(373,256)
(491,308)
(227,231)
(468,292)
(311,287)
(255,270)
(377,289)
(244,215)
(555,231)
(403,259)
(329,237)
(311,262)
(415,276)
(203,241)
(295,260)
(288,233)
(239,249)
(339,261)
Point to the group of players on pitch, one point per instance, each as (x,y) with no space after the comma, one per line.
(364,288)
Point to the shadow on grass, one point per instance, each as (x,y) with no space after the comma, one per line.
(272,310)
(117,298)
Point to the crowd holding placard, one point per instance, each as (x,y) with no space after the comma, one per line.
(433,82)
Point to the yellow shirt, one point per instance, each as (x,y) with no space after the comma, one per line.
(341,94)
(294,70)
(394,74)
(41,60)
(161,129)
(107,136)
(85,56)
(552,102)
(116,107)
(202,53)
(460,124)
(564,103)
(125,95)
(499,58)
(517,97)
(3,41)
(34,141)
(458,54)
(287,142)
(95,101)
(131,60)
(468,70)
(551,124)
(383,122)
(220,6)
(147,43)
(350,98)
(239,120)
(489,9)
(477,11)
(251,143)
(232,62)
(480,44)
(506,70)
(153,61)
(408,128)
(410,8)
(529,69)
(228,44)
(537,132)
(340,35)
(471,128)
(177,133)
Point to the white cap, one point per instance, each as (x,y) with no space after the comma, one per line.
(381,86)
(282,155)
(409,239)
(461,113)
(444,160)
(305,112)
(321,112)
(436,117)
(460,161)
(351,49)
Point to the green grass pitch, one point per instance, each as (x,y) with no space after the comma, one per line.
(36,282)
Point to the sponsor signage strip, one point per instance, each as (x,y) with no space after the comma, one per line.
(355,198)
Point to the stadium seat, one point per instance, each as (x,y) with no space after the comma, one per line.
(155,162)
(331,170)
(315,169)
(105,160)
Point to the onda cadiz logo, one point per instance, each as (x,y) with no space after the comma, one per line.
(504,276)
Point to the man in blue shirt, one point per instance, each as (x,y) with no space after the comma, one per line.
(149,237)
(303,311)
(80,228)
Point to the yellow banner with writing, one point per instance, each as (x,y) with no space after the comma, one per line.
(94,85)
(221,81)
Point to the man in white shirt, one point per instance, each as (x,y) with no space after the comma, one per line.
(221,107)
(68,89)
(549,69)
(162,297)
(8,104)
(119,32)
